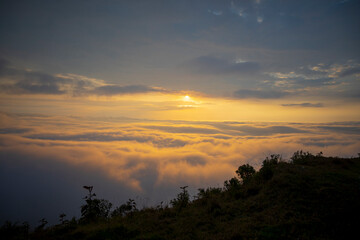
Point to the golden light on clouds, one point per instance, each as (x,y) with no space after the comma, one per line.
(173,152)
(175,106)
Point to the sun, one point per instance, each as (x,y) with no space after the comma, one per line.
(187,98)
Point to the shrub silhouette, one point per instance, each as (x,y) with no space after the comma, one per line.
(232,184)
(267,170)
(209,192)
(11,230)
(245,172)
(94,209)
(300,157)
(62,219)
(43,222)
(181,200)
(125,209)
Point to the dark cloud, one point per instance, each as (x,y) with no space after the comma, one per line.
(326,81)
(324,143)
(33,82)
(192,160)
(266,131)
(169,142)
(109,90)
(314,105)
(213,65)
(14,130)
(249,129)
(171,129)
(262,94)
(342,129)
(36,88)
(301,81)
(161,142)
(349,72)
(314,76)
(20,81)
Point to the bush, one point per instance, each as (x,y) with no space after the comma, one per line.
(125,209)
(182,199)
(232,184)
(245,172)
(14,231)
(94,209)
(207,193)
(300,157)
(267,170)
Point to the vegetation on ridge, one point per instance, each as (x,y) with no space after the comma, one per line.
(308,197)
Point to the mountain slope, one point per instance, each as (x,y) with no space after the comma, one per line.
(310,197)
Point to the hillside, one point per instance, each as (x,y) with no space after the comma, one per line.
(307,197)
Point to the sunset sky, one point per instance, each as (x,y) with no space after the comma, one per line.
(139,98)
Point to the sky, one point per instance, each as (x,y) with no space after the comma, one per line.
(139,98)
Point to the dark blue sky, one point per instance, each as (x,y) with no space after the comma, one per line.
(160,42)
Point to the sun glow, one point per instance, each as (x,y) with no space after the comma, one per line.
(187,98)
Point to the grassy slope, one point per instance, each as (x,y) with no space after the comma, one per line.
(315,198)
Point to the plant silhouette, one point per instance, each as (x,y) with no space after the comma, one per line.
(94,209)
(125,209)
(182,200)
(245,172)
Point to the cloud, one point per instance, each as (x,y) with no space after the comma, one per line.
(266,131)
(261,94)
(314,105)
(247,129)
(187,129)
(14,130)
(237,10)
(342,129)
(214,65)
(326,80)
(247,10)
(315,82)
(321,142)
(158,141)
(110,90)
(350,71)
(315,75)
(22,81)
(215,12)
(294,80)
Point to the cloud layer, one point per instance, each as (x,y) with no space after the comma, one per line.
(145,158)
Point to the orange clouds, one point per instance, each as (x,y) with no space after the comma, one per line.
(152,154)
